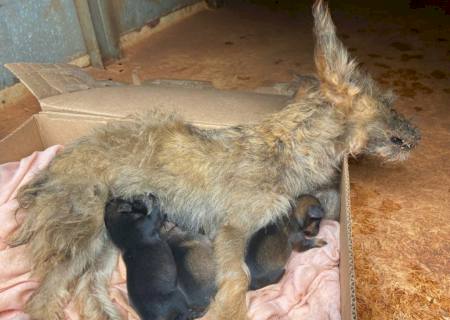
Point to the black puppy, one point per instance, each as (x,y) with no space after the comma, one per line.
(151,269)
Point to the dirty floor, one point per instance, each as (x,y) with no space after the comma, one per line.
(401,212)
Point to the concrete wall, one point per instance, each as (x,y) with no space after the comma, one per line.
(49,30)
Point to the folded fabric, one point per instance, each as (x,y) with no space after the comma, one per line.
(308,290)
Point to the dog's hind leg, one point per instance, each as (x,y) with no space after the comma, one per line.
(49,299)
(65,235)
(92,291)
(90,274)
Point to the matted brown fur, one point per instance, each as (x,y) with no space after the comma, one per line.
(229,182)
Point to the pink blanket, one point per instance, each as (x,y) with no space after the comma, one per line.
(308,290)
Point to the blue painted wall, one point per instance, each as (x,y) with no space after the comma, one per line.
(38,31)
(49,30)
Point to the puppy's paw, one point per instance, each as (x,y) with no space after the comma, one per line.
(318,243)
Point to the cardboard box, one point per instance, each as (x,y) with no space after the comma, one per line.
(76,106)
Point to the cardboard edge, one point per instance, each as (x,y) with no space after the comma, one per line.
(12,95)
(166,98)
(53,127)
(22,141)
(346,267)
(98,115)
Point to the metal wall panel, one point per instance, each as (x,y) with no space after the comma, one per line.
(133,14)
(38,31)
(49,30)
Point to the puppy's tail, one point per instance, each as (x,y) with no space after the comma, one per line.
(66,239)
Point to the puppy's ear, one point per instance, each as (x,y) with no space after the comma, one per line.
(316,212)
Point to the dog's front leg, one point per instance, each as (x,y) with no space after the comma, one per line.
(232,274)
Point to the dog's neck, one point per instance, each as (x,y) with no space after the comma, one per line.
(311,139)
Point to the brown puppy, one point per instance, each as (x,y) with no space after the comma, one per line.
(230,182)
(269,249)
(267,252)
(194,258)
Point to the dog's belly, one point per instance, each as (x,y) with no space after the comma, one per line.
(193,211)
(207,209)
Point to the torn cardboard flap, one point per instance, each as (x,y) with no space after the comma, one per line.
(46,80)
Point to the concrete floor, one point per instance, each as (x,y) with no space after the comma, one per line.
(400,212)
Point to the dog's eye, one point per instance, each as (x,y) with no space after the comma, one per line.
(397,141)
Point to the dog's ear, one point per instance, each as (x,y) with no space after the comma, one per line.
(337,71)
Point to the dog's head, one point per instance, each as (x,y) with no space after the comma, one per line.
(130,222)
(372,124)
(308,213)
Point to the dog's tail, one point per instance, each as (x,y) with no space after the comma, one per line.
(66,239)
(337,71)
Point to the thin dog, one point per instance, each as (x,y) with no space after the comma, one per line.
(230,182)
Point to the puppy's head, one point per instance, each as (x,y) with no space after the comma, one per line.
(308,214)
(130,222)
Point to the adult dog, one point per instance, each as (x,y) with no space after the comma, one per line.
(230,182)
